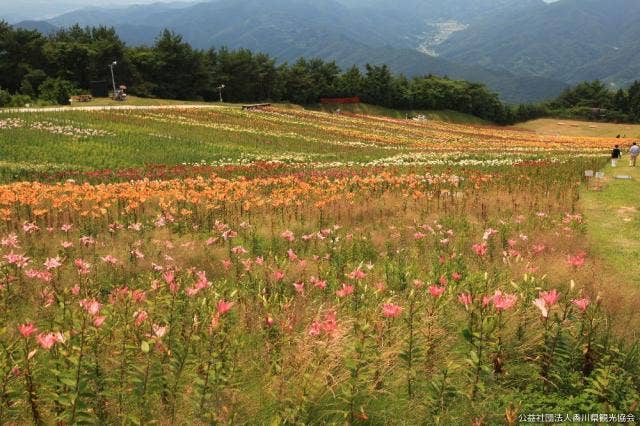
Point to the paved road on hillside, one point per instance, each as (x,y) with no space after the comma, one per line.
(107,108)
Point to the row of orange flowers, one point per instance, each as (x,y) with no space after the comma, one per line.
(215,192)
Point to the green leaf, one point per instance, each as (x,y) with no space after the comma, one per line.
(64,400)
(489,324)
(68,381)
(145,347)
(351,364)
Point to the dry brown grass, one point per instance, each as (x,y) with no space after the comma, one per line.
(554,126)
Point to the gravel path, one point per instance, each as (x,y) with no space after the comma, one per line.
(106,108)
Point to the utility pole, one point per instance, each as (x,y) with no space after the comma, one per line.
(113,78)
(220,88)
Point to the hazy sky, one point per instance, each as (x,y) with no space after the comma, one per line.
(17,10)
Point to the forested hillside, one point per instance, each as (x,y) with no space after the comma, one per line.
(570,40)
(290,29)
(52,68)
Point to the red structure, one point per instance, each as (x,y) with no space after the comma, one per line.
(340,101)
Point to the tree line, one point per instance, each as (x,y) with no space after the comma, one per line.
(51,68)
(595,99)
(590,100)
(37,68)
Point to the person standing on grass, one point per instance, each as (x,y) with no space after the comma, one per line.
(634,151)
(616,154)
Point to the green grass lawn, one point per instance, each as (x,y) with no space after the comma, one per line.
(613,221)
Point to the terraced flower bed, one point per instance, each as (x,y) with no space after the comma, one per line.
(291,267)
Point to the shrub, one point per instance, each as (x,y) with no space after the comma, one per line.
(5,98)
(56,90)
(18,101)
(31,83)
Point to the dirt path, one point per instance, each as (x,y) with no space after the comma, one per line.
(556,126)
(105,108)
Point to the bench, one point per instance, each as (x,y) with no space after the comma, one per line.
(254,106)
(82,98)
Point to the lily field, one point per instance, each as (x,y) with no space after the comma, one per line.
(192,265)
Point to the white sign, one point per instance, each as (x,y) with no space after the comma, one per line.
(599,175)
(588,173)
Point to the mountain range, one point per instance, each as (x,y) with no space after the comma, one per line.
(525,50)
(570,40)
(37,10)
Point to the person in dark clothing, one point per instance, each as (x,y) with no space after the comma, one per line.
(616,154)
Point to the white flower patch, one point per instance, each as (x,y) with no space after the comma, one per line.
(11,123)
(68,130)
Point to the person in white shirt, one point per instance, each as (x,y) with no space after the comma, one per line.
(634,151)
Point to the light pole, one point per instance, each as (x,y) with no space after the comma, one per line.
(113,78)
(220,88)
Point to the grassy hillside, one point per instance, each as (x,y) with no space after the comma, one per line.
(613,232)
(558,126)
(116,139)
(133,100)
(363,109)
(298,267)
(366,109)
(614,220)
